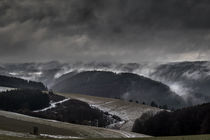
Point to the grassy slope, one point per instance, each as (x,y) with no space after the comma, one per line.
(21,123)
(2,137)
(198,137)
(193,137)
(15,125)
(126,110)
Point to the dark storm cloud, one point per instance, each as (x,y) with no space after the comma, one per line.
(104,30)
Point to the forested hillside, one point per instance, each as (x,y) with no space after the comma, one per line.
(18,100)
(186,121)
(14,82)
(125,86)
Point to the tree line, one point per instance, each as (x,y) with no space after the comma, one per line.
(23,99)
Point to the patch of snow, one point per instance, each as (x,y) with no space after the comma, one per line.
(122,114)
(116,125)
(128,112)
(59,136)
(127,134)
(16,134)
(5,88)
(52,105)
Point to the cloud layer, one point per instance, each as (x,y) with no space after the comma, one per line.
(104,30)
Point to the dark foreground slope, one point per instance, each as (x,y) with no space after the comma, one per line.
(194,137)
(187,121)
(124,85)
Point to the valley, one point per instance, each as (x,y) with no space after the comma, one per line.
(24,124)
(105,69)
(97,104)
(188,80)
(128,111)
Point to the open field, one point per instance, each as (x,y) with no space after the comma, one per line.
(21,123)
(128,111)
(193,137)
(196,137)
(14,126)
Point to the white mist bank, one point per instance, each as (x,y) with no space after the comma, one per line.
(49,72)
(140,69)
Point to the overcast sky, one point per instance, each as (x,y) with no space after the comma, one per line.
(104,30)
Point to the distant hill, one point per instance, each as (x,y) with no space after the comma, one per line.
(14,82)
(124,85)
(189,79)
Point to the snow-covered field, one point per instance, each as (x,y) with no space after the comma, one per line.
(16,134)
(59,136)
(52,105)
(27,135)
(5,88)
(127,111)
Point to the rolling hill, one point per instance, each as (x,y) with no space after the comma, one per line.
(127,111)
(190,80)
(125,86)
(13,82)
(21,123)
